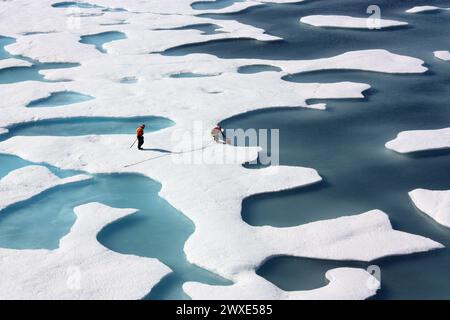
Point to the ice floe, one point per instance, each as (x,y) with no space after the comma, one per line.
(420,9)
(345,238)
(377,60)
(52,47)
(24,183)
(420,140)
(81,268)
(344,284)
(11,63)
(434,203)
(349,22)
(443,55)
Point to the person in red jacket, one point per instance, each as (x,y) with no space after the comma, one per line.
(140,136)
(218,131)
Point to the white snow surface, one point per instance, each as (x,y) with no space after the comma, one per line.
(208,192)
(81,268)
(29,181)
(420,140)
(434,203)
(337,21)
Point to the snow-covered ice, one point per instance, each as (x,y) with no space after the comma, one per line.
(349,22)
(344,284)
(443,55)
(435,203)
(29,181)
(81,268)
(348,238)
(141,29)
(12,62)
(420,9)
(99,78)
(420,140)
(234,249)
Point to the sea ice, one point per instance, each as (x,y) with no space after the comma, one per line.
(443,55)
(98,78)
(192,179)
(420,140)
(234,249)
(81,268)
(344,284)
(420,9)
(12,62)
(348,22)
(436,204)
(26,182)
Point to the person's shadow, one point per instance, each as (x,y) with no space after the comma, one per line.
(156,150)
(165,153)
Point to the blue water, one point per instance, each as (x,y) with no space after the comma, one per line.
(86,126)
(4,41)
(210,5)
(167,231)
(346,142)
(36,32)
(256,68)
(19,74)
(85,5)
(57,99)
(114,10)
(128,80)
(99,39)
(404,277)
(72,4)
(191,75)
(205,28)
(302,41)
(119,22)
(10,163)
(312,273)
